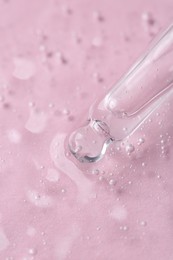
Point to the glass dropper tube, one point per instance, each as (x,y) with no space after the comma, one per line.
(134,98)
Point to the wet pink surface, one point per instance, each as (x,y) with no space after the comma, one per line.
(56,58)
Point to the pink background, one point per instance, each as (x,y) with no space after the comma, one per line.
(56,58)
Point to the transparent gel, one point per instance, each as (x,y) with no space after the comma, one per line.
(128,104)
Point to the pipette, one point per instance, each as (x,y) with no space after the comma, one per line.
(128,104)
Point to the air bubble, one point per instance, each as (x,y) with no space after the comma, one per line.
(98,16)
(63,190)
(141,141)
(61,58)
(143,223)
(98,228)
(39,200)
(98,77)
(143,164)
(124,228)
(51,105)
(65,111)
(95,172)
(76,38)
(32,251)
(130,149)
(31,104)
(67,10)
(148,18)
(112,182)
(149,23)
(112,104)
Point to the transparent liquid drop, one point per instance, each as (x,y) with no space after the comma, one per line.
(89,143)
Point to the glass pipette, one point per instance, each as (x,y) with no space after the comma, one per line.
(128,104)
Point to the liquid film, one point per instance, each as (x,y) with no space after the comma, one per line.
(56,58)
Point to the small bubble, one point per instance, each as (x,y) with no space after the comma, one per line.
(162,141)
(61,58)
(51,105)
(31,104)
(67,154)
(65,111)
(112,104)
(98,228)
(149,23)
(125,129)
(76,38)
(141,140)
(112,182)
(98,77)
(101,178)
(98,16)
(118,148)
(148,18)
(162,147)
(129,149)
(143,164)
(124,228)
(143,223)
(95,172)
(32,251)
(37,197)
(44,242)
(67,10)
